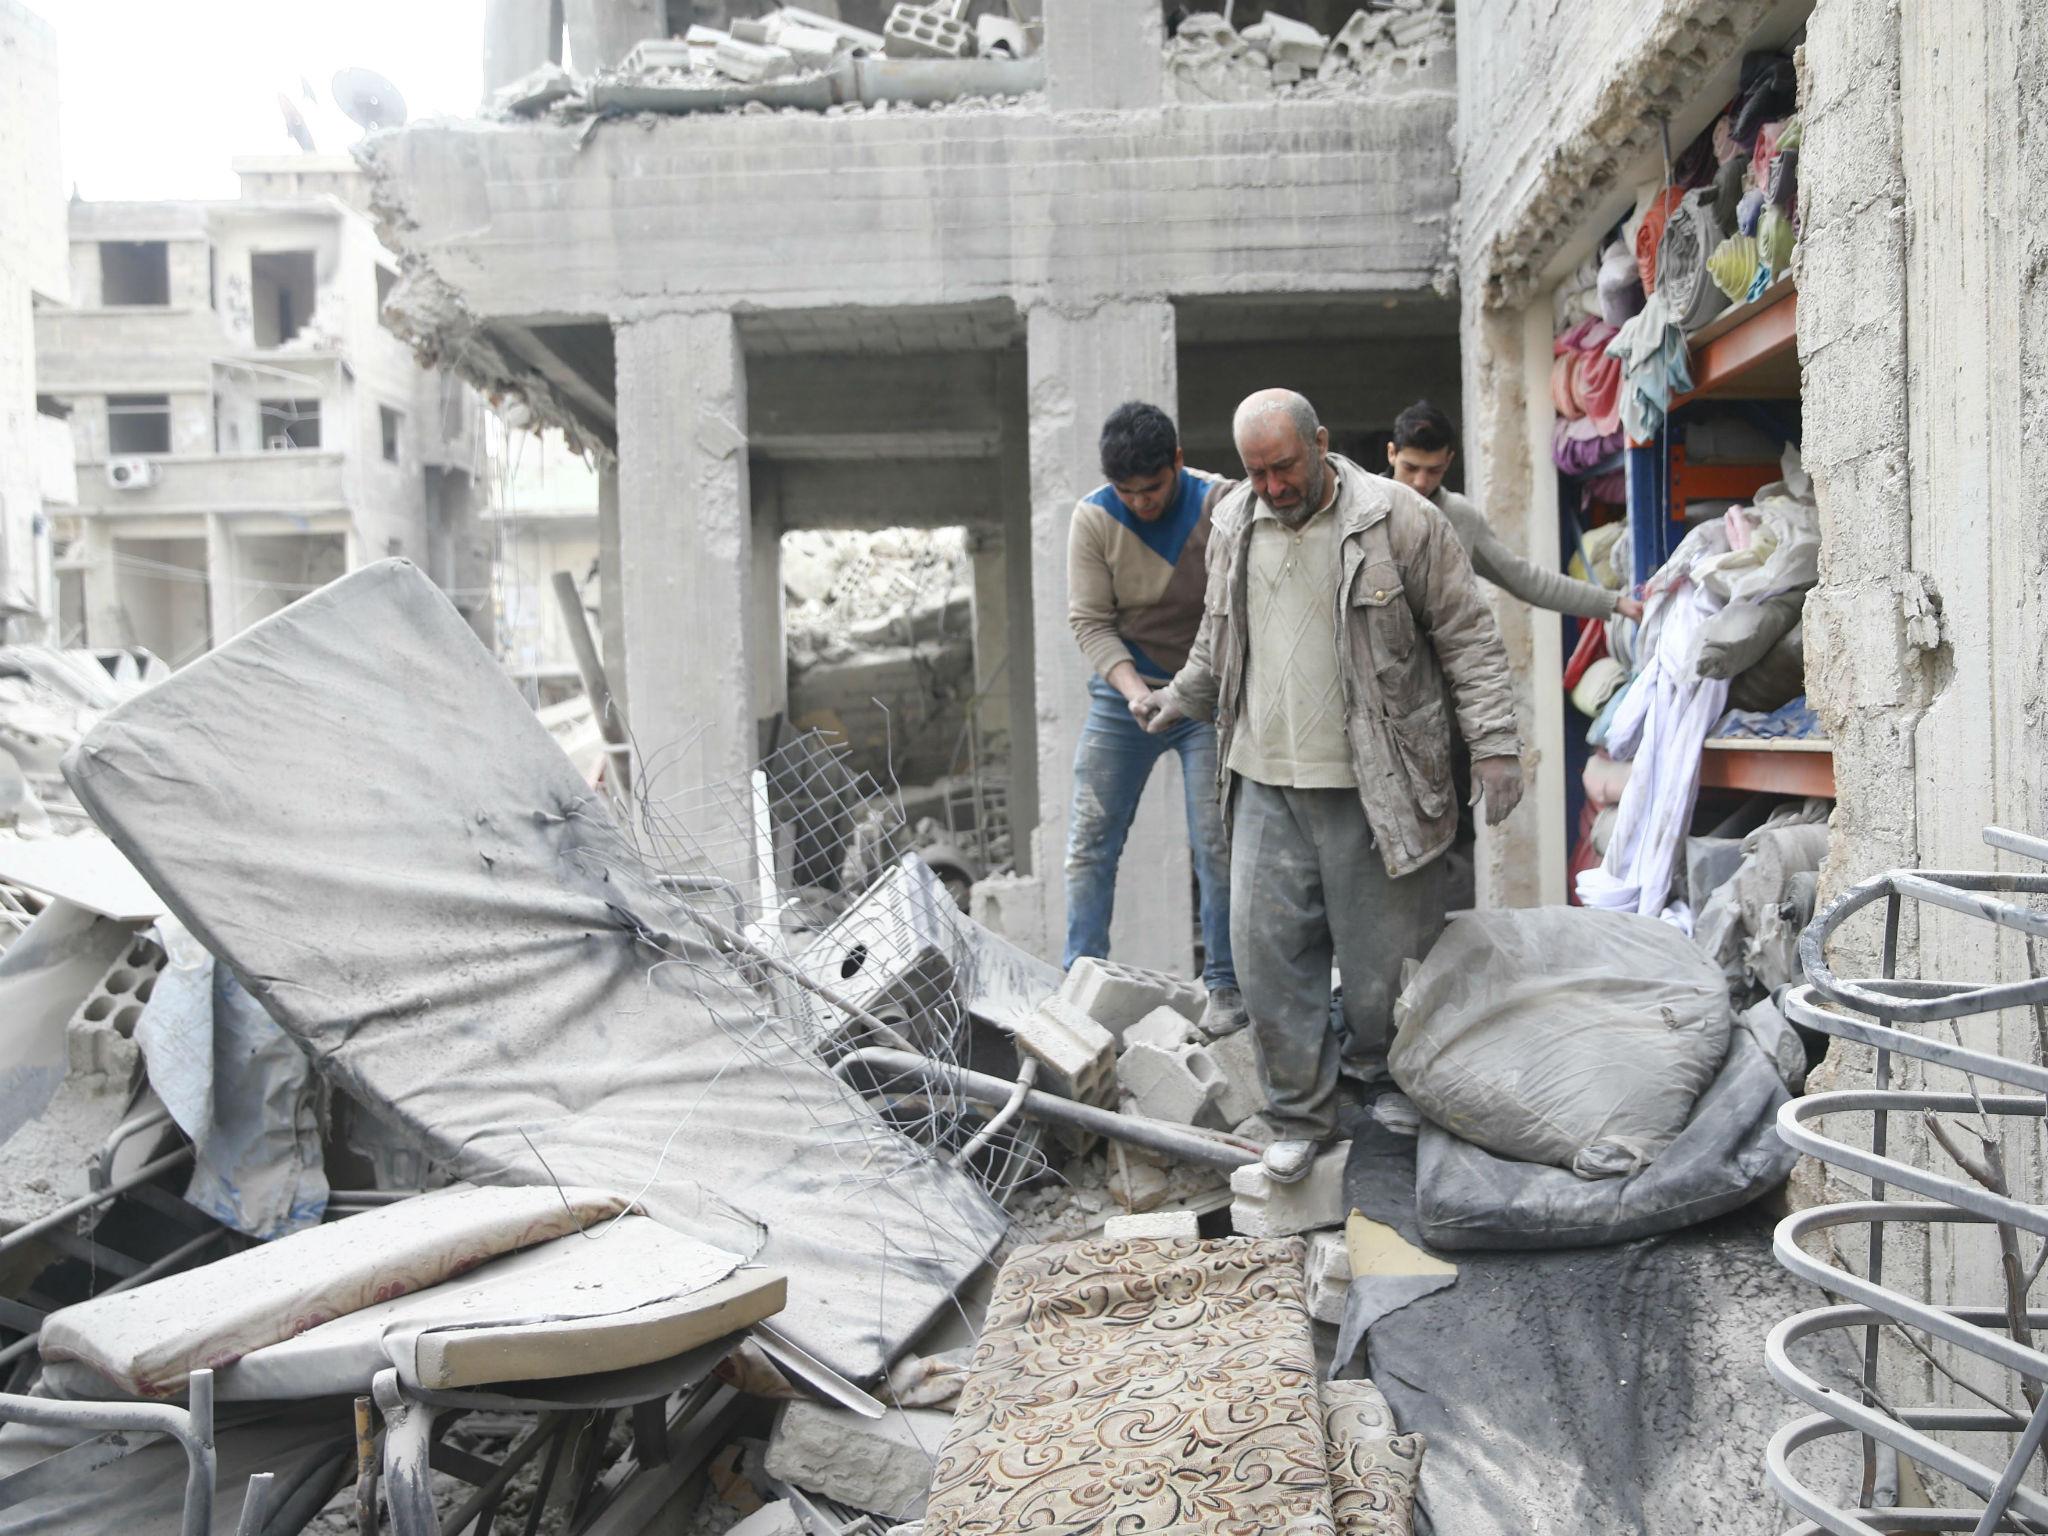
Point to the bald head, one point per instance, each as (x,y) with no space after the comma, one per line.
(1284,449)
(1270,407)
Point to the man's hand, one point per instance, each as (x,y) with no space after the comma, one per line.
(1629,607)
(1499,779)
(1157,712)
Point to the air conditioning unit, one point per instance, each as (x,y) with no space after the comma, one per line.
(131,472)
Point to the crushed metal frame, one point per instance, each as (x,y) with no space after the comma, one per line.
(1869,1012)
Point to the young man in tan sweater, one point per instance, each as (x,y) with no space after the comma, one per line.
(1135,553)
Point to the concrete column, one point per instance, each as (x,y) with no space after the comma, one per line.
(1083,362)
(1020,636)
(603,32)
(685,549)
(223,583)
(771,641)
(1104,55)
(101,588)
(611,636)
(991,636)
(519,37)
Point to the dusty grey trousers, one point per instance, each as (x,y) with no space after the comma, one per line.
(1307,885)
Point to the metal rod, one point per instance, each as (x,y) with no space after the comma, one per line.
(143,1276)
(23,1233)
(611,724)
(1027,1075)
(366,1468)
(1179,1141)
(101,1168)
(255,1505)
(2009,841)
(487,1492)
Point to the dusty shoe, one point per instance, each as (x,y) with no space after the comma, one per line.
(1288,1162)
(1223,1014)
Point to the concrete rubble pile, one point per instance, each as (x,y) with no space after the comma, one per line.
(1405,45)
(797,60)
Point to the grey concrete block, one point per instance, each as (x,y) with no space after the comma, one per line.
(926,32)
(1179,1085)
(1166,1028)
(1243,1093)
(1077,1054)
(1118,996)
(1160,1224)
(1263,1208)
(777,1519)
(880,1465)
(1329,1275)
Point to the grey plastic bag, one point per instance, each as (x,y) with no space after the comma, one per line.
(1562,1035)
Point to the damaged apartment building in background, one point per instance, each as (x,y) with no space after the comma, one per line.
(911,274)
(243,426)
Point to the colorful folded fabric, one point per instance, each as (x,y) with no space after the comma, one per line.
(1655,367)
(1561,385)
(1765,151)
(1597,389)
(1783,187)
(1650,235)
(1774,240)
(1591,647)
(1733,265)
(1749,211)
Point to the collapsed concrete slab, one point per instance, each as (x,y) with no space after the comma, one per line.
(883,1466)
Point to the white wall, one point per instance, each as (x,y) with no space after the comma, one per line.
(32,261)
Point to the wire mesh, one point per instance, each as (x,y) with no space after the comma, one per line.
(793,900)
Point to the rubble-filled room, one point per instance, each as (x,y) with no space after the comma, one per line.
(961,767)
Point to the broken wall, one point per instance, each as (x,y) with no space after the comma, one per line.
(1923,337)
(32,262)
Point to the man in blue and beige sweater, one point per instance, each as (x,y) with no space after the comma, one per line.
(1135,580)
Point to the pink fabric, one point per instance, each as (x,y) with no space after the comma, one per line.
(1650,235)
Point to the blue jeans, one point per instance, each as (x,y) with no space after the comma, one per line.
(1111,765)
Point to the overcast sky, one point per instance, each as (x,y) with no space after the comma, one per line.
(159,95)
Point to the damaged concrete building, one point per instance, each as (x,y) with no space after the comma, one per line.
(244,426)
(847,319)
(33,273)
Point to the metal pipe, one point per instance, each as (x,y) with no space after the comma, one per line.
(1027,1074)
(32,1229)
(101,1168)
(191,1427)
(1179,1141)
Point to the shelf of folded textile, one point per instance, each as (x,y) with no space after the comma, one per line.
(1749,352)
(1779,752)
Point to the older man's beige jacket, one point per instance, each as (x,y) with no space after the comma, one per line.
(1409,616)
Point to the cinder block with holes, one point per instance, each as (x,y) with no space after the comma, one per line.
(1329,1275)
(1262,1207)
(1180,1084)
(99,1033)
(1076,1055)
(890,954)
(1117,996)
(927,32)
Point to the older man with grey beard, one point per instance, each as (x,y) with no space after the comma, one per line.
(1338,603)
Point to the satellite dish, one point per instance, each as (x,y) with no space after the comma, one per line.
(368,99)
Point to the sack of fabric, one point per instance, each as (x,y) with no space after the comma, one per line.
(1690,239)
(1620,285)
(1740,635)
(1727,1154)
(1776,679)
(1561,1035)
